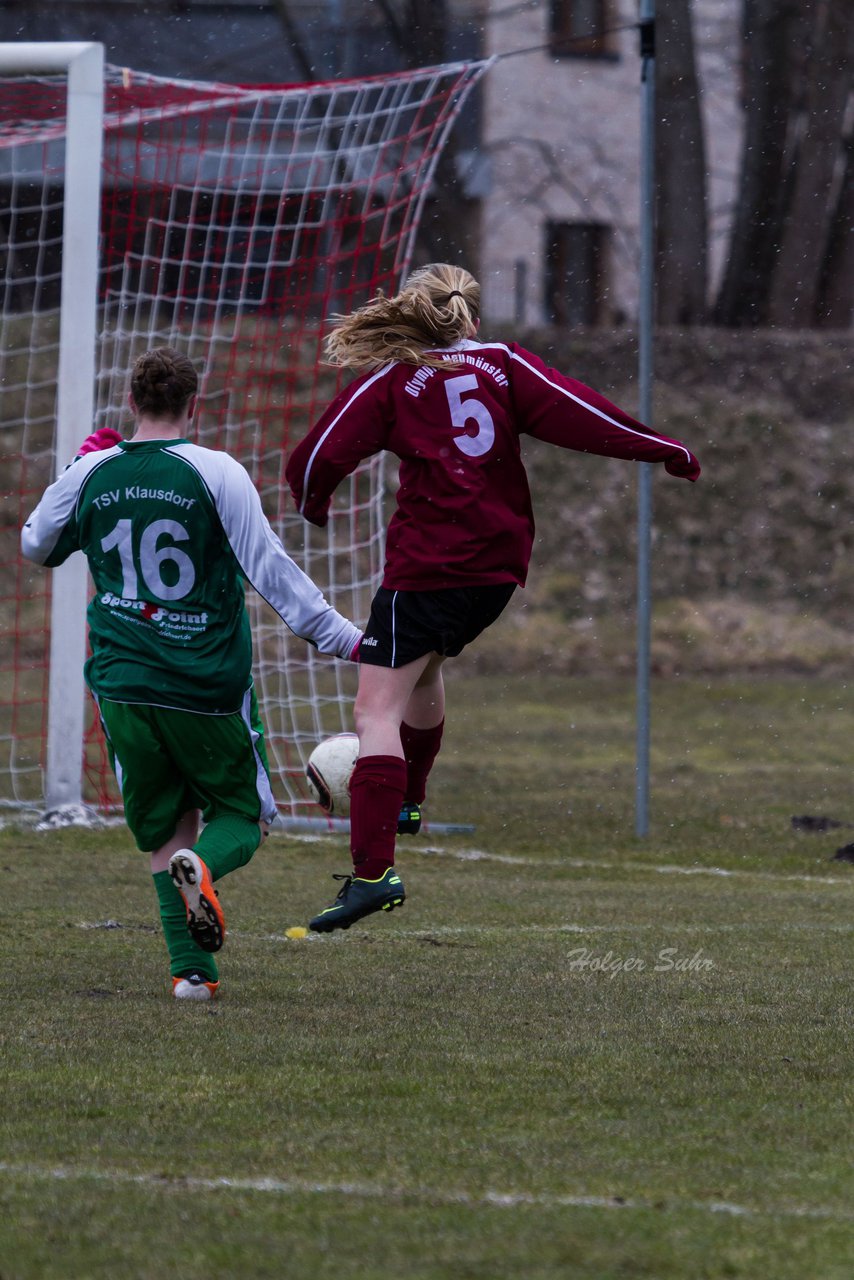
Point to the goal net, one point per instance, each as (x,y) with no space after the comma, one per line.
(233,222)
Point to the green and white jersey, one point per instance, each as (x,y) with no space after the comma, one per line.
(170,530)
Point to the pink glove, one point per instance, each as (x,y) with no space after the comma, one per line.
(103,438)
(354,652)
(687,468)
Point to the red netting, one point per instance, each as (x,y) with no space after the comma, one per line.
(233,222)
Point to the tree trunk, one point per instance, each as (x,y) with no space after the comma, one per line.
(770,28)
(836,297)
(681,213)
(816,163)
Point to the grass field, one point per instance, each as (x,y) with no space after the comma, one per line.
(572,1054)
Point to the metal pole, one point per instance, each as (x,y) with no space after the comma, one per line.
(646,319)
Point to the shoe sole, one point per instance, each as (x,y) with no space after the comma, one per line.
(321,925)
(183,990)
(205,920)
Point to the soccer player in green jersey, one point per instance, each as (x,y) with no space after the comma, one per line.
(171,530)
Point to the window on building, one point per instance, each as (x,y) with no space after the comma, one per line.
(575,273)
(579,29)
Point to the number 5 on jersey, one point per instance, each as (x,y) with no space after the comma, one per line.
(463,411)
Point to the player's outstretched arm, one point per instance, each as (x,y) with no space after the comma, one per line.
(567,413)
(264,562)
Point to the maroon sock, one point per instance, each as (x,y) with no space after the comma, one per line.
(420,747)
(376,794)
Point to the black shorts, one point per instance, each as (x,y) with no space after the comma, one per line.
(404,625)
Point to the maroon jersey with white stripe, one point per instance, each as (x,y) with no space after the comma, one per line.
(463,506)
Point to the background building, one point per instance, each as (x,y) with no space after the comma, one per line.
(539,186)
(561,137)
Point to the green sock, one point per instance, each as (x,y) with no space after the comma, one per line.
(186,957)
(227,843)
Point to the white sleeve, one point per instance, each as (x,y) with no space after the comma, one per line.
(43,530)
(263,560)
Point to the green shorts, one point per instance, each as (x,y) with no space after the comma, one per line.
(169,761)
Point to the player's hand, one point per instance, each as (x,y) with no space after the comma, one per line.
(320,519)
(103,438)
(354,652)
(685,466)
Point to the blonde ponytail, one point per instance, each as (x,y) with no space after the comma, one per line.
(437,307)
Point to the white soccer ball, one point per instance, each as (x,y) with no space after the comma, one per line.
(329,770)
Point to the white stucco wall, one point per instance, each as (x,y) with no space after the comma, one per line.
(563,141)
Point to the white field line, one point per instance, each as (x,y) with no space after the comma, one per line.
(591,864)
(424,1195)
(580,864)
(597,864)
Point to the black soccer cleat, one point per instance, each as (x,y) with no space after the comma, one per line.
(357,898)
(409,822)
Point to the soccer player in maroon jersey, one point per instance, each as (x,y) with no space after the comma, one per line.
(452,408)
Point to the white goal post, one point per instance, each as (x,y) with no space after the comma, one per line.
(83,65)
(231,222)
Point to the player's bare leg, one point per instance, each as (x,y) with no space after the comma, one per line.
(382,699)
(425,707)
(186,835)
(377,791)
